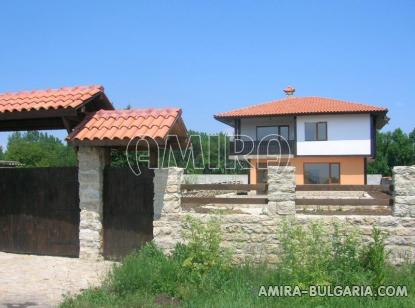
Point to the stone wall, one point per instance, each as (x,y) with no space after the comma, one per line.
(404,191)
(254,236)
(91,163)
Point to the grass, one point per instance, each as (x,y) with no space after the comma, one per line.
(200,273)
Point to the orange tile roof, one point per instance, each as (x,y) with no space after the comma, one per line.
(62,98)
(126,124)
(300,105)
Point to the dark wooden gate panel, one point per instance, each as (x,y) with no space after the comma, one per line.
(128,211)
(39,211)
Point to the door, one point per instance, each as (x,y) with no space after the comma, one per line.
(128,211)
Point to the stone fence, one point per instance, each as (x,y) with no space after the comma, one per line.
(254,236)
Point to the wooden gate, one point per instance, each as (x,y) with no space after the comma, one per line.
(39,211)
(128,211)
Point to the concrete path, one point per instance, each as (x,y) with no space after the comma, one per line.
(42,281)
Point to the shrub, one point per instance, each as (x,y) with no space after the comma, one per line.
(374,257)
(345,266)
(202,251)
(315,254)
(148,269)
(305,253)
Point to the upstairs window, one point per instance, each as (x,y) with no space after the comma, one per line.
(271,132)
(316,131)
(266,132)
(284,131)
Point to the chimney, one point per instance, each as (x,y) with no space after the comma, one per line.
(289,91)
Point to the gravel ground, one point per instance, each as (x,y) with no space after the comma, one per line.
(42,281)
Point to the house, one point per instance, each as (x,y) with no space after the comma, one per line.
(329,141)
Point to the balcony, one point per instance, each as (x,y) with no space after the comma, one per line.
(272,147)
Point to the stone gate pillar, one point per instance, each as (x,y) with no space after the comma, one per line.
(167,208)
(281,190)
(404,191)
(91,163)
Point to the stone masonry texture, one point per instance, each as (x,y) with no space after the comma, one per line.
(281,190)
(254,237)
(404,191)
(91,162)
(167,219)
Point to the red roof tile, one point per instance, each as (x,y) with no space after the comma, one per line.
(62,98)
(126,124)
(301,105)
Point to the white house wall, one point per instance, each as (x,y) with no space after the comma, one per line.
(347,134)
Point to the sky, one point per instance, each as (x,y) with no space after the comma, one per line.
(213,56)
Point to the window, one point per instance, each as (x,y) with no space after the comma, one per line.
(266,132)
(315,131)
(335,173)
(271,132)
(284,131)
(321,173)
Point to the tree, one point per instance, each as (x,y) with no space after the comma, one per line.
(210,155)
(1,153)
(35,149)
(393,149)
(412,136)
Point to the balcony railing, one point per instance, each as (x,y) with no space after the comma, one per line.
(272,147)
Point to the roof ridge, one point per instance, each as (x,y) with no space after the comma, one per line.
(165,109)
(127,116)
(53,90)
(124,126)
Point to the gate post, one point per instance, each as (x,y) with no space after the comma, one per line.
(167,208)
(281,190)
(91,163)
(404,191)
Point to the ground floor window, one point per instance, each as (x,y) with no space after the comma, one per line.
(321,173)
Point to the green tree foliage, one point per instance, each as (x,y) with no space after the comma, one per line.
(35,149)
(393,149)
(1,153)
(210,155)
